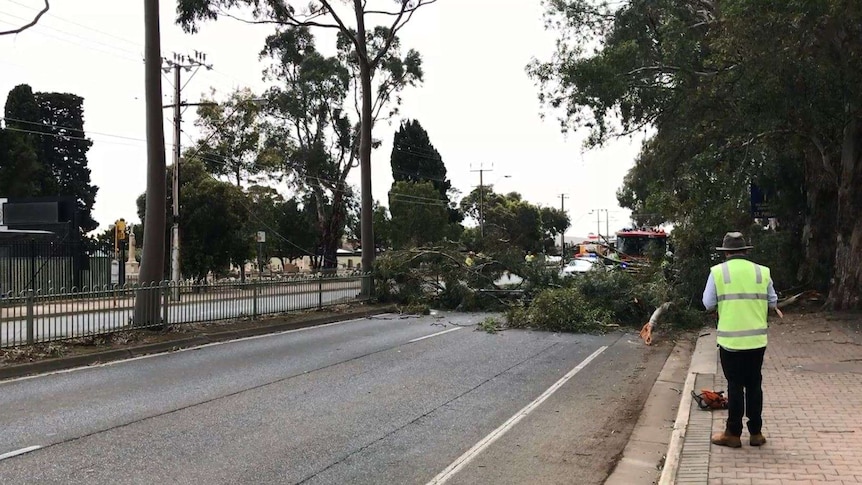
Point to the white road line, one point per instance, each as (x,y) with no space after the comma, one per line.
(434,334)
(462,461)
(186,349)
(19,452)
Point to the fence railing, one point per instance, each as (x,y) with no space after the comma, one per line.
(33,317)
(53,264)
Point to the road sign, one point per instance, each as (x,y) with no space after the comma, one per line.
(760,203)
(261,236)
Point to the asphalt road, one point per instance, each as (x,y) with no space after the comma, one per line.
(356,402)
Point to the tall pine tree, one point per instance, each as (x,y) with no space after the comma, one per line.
(63,152)
(19,163)
(414,159)
(43,150)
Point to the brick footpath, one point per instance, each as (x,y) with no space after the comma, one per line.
(812,384)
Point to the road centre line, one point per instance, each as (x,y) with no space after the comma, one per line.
(434,334)
(198,347)
(473,452)
(19,452)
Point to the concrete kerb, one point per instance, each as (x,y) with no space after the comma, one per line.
(62,363)
(703,361)
(647,447)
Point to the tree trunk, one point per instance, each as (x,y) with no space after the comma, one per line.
(147,301)
(818,233)
(365,126)
(846,284)
(331,234)
(330,254)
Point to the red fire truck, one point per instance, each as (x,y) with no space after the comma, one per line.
(636,244)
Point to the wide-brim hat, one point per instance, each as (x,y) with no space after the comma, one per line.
(733,241)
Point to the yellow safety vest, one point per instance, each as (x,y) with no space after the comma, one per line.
(742,303)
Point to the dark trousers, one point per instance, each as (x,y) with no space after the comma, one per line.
(742,369)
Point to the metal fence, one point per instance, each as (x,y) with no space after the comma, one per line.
(33,317)
(53,264)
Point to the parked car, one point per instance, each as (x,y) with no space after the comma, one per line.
(581,265)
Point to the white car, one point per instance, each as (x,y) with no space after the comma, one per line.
(580,266)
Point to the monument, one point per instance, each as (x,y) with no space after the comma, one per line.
(132,264)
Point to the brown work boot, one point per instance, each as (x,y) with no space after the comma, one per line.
(726,439)
(757,440)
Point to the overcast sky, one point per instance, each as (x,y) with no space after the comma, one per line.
(477,102)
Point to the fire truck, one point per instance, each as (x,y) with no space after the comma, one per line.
(636,244)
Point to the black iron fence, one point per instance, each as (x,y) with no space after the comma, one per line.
(33,316)
(53,266)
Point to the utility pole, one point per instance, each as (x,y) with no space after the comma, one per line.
(179,62)
(152,267)
(599,223)
(607,227)
(563,234)
(482,171)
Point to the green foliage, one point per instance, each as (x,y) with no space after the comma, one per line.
(601,300)
(737,98)
(554,223)
(416,309)
(64,155)
(414,159)
(213,218)
(309,108)
(382,226)
(231,136)
(439,277)
(309,135)
(289,226)
(490,325)
(21,172)
(43,149)
(511,222)
(19,165)
(419,216)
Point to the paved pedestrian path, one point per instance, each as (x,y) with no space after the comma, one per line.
(812,381)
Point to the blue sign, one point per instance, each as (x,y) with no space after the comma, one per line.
(760,203)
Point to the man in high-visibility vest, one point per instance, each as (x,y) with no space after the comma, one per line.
(744,293)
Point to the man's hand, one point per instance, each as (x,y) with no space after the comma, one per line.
(780,314)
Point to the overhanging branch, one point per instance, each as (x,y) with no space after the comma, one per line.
(345,30)
(397,25)
(32,22)
(291,20)
(400,12)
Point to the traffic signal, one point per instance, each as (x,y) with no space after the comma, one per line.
(120,228)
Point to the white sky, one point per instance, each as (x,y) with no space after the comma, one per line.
(477,102)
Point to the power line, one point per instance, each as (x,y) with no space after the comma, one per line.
(62,39)
(50,14)
(57,135)
(46,125)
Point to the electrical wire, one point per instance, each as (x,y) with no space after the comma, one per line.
(62,39)
(46,125)
(56,135)
(52,15)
